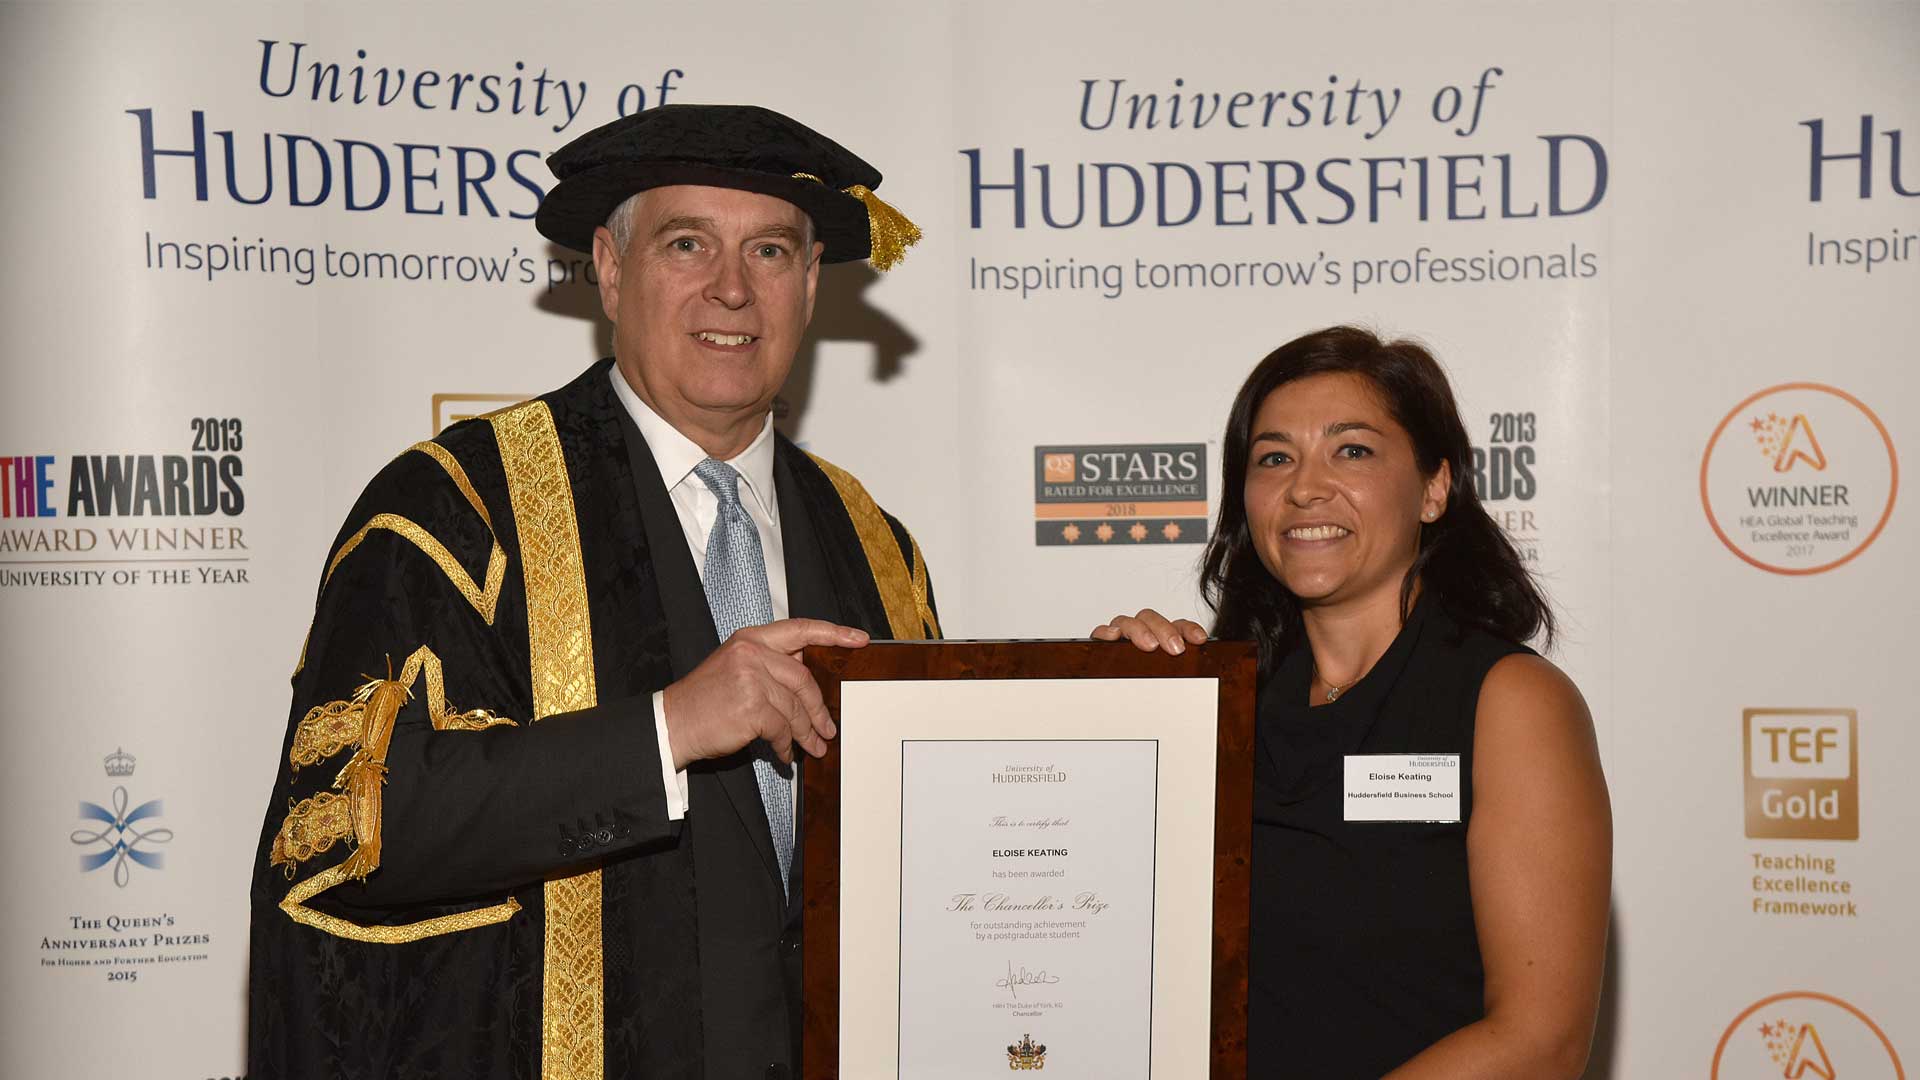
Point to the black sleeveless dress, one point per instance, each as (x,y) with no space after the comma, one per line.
(1362,947)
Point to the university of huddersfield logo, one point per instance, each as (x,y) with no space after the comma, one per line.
(1802,773)
(1803,1035)
(1026,1054)
(1820,489)
(122,839)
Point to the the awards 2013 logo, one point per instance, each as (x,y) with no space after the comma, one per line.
(1799,478)
(1802,1035)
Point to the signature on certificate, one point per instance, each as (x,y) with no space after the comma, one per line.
(1017,978)
(1002,821)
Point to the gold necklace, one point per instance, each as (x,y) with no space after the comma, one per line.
(1335,691)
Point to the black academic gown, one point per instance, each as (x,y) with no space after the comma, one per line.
(700,951)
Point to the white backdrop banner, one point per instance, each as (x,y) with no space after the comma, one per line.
(1668,254)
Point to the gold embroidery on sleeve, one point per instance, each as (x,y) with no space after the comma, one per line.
(295,907)
(920,588)
(351,811)
(325,731)
(330,728)
(312,827)
(903,591)
(560,639)
(483,598)
(457,474)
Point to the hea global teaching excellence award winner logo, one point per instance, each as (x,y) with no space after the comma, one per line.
(1799,478)
(1802,1035)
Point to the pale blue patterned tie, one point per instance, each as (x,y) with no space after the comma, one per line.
(737,594)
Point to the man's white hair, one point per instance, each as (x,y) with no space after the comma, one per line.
(620,224)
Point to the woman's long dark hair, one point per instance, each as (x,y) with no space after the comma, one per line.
(1465,561)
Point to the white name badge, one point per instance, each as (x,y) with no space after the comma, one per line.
(1403,787)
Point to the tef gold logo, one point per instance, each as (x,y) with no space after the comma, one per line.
(1802,1035)
(1817,493)
(450,409)
(1803,773)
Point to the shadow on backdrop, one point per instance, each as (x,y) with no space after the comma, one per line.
(573,291)
(841,312)
(1606,1028)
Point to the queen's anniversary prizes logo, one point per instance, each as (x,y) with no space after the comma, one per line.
(124,835)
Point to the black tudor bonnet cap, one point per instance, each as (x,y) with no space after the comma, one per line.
(730,146)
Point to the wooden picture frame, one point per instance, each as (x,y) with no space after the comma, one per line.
(1231,663)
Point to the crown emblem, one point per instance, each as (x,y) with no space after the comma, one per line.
(1026,1054)
(119,763)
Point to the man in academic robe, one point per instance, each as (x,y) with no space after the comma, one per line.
(536,813)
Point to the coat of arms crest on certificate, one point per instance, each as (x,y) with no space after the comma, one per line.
(1026,1054)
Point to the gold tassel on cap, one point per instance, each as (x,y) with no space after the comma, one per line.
(892,232)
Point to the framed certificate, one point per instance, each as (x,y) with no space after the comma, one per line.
(1029,855)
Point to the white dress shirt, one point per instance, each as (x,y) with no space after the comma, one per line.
(697,507)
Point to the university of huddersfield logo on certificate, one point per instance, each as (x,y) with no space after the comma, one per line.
(1802,773)
(1804,1035)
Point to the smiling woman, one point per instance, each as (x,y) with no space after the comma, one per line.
(1397,403)
(1432,840)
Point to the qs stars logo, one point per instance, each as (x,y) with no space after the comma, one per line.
(1120,495)
(1802,1035)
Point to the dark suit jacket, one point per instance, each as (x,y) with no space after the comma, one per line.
(701,952)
